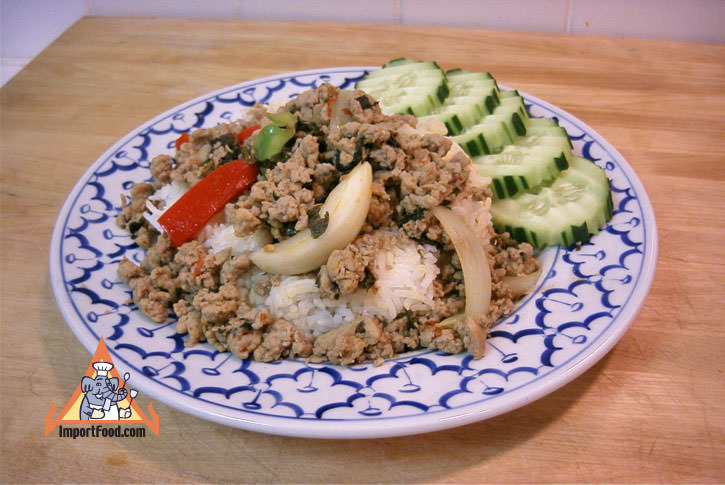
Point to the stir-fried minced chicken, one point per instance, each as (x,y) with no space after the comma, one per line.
(221,297)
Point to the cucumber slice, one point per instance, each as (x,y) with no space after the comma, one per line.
(456,117)
(569,211)
(559,131)
(399,61)
(415,101)
(512,111)
(481,84)
(496,130)
(457,71)
(529,162)
(404,78)
(556,140)
(484,138)
(520,168)
(471,96)
(543,131)
(407,86)
(510,93)
(402,66)
(545,127)
(541,122)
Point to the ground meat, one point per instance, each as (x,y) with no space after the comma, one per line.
(128,271)
(234,268)
(188,322)
(324,178)
(403,334)
(209,148)
(153,294)
(340,346)
(161,253)
(243,333)
(502,302)
(282,197)
(370,339)
(160,168)
(163,279)
(243,215)
(312,107)
(387,156)
(195,268)
(445,339)
(381,209)
(346,269)
(131,217)
(427,181)
(217,307)
(263,283)
(379,341)
(282,340)
(218,297)
(511,258)
(242,342)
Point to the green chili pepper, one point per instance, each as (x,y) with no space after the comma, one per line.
(272,138)
(283,119)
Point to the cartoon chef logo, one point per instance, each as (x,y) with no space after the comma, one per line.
(101,395)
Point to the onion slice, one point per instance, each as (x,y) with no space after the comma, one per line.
(474,262)
(347,205)
(476,278)
(521,284)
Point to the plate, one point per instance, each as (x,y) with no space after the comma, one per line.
(584,302)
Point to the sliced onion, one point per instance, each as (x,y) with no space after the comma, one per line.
(347,205)
(451,321)
(522,284)
(474,262)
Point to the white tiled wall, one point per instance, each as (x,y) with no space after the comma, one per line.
(28,26)
(531,15)
(685,20)
(362,11)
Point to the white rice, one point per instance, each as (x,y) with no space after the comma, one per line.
(298,299)
(218,237)
(163,198)
(404,281)
(404,277)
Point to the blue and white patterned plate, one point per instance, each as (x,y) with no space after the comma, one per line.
(583,304)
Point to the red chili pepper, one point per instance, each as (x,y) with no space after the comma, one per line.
(182,139)
(246,133)
(198,266)
(330,102)
(188,215)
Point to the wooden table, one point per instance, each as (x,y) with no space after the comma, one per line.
(653,410)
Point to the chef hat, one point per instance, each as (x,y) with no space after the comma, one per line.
(102,368)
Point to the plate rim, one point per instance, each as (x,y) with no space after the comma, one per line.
(394,426)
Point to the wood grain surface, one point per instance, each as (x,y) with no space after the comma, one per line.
(651,411)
